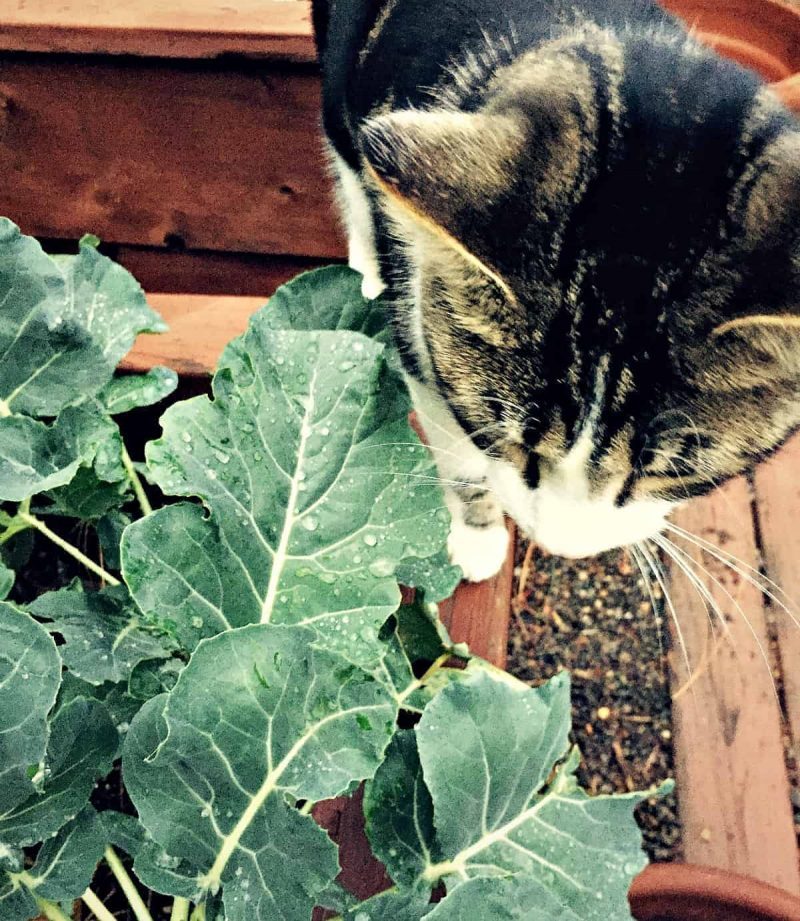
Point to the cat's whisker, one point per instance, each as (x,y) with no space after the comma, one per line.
(653,563)
(709,602)
(749,573)
(636,553)
(433,480)
(411,444)
(672,550)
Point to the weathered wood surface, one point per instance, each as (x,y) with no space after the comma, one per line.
(732,781)
(208,272)
(199,329)
(777,491)
(180,28)
(202,155)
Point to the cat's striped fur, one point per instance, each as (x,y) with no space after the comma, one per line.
(589,231)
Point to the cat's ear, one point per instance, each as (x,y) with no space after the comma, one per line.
(445,171)
(442,161)
(754,351)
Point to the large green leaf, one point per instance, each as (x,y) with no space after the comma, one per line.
(30,673)
(257,718)
(328,298)
(104,638)
(130,391)
(66,863)
(399,813)
(7,578)
(35,456)
(64,324)
(156,869)
(81,748)
(316,489)
(107,301)
(481,800)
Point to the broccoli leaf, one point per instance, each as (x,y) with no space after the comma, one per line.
(81,748)
(7,578)
(259,716)
(130,391)
(482,796)
(311,504)
(65,325)
(30,674)
(104,638)
(328,298)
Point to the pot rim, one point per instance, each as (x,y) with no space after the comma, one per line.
(677,887)
(762,35)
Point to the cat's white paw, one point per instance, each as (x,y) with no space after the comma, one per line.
(480,552)
(371,286)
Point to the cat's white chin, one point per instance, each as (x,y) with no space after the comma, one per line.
(563,519)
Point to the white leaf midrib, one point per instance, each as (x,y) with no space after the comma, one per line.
(282,550)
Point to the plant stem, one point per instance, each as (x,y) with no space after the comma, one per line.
(136,482)
(67,547)
(96,906)
(180,910)
(199,912)
(5,409)
(421,682)
(127,885)
(50,910)
(307,807)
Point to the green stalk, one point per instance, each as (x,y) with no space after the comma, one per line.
(199,913)
(180,910)
(136,482)
(50,910)
(67,547)
(421,682)
(5,409)
(127,885)
(96,906)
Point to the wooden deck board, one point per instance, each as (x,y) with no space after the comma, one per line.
(222,156)
(733,788)
(777,490)
(181,28)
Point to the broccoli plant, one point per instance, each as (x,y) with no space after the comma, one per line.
(240,652)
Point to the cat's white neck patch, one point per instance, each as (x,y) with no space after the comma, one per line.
(564,514)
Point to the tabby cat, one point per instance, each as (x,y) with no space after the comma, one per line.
(588,229)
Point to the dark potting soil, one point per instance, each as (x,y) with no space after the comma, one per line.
(595,618)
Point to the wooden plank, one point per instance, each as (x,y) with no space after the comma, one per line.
(194,155)
(733,789)
(207,272)
(777,490)
(181,28)
(479,613)
(199,329)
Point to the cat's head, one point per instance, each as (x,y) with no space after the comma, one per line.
(601,276)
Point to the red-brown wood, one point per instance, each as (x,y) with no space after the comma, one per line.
(181,28)
(734,794)
(210,272)
(200,328)
(777,491)
(203,155)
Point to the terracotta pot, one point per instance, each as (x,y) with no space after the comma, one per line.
(682,892)
(764,35)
